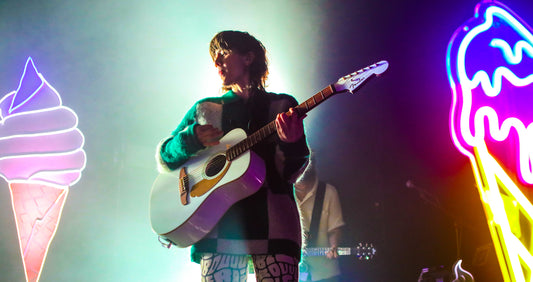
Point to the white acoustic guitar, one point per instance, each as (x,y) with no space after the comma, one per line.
(187,203)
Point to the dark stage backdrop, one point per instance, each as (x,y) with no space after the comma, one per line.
(131,69)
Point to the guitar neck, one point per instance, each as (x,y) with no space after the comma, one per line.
(310,252)
(258,136)
(347,83)
(362,251)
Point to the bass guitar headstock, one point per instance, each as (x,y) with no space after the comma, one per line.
(364,251)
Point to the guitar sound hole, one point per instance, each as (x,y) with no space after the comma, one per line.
(215,165)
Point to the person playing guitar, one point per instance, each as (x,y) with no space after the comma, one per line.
(322,220)
(232,197)
(266,225)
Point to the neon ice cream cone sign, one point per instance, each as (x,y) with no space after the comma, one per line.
(490,69)
(41,156)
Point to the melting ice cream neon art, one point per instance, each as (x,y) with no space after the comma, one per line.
(490,69)
(41,156)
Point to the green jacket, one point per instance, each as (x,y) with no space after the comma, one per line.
(267,222)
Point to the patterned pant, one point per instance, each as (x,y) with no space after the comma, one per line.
(233,268)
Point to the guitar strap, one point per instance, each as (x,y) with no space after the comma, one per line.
(317,211)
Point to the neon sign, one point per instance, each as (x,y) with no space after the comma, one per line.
(41,156)
(490,69)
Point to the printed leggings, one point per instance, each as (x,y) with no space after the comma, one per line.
(233,268)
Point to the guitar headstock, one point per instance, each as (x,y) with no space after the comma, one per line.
(354,80)
(365,251)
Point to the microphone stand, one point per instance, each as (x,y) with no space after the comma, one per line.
(434,201)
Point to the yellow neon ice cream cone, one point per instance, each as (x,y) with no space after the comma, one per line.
(509,214)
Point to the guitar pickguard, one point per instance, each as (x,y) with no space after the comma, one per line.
(203,186)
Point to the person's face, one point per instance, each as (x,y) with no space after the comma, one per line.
(232,67)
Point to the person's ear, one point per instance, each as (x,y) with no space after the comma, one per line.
(249,58)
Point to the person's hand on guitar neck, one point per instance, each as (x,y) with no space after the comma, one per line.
(334,237)
(208,135)
(290,126)
(332,253)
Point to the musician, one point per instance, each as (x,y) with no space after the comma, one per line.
(265,226)
(329,225)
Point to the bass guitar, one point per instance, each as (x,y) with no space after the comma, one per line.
(361,251)
(187,203)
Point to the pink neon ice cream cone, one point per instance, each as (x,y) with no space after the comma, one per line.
(491,76)
(41,156)
(37,211)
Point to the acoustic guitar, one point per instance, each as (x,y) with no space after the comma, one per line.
(187,203)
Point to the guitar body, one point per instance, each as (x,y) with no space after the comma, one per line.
(210,192)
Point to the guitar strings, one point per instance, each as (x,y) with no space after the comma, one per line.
(269,128)
(196,175)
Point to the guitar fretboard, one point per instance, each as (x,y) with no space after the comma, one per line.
(324,251)
(344,84)
(258,136)
(363,251)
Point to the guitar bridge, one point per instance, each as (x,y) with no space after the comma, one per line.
(183,185)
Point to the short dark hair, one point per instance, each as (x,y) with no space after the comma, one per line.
(243,42)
